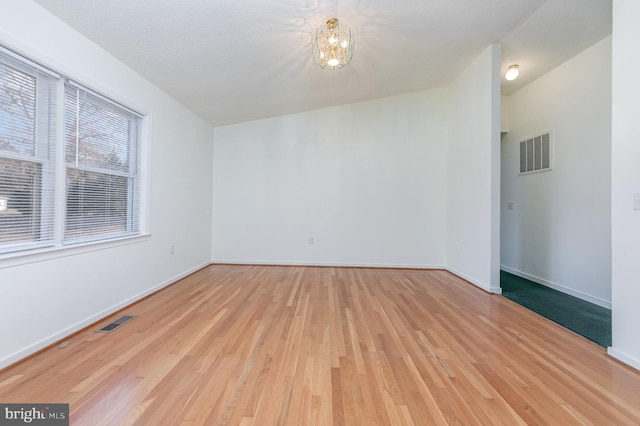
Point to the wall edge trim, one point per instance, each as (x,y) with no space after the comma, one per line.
(624,357)
(567,290)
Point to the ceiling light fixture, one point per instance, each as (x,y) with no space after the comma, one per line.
(512,73)
(332,45)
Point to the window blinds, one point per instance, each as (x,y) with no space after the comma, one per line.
(101,154)
(94,193)
(27,154)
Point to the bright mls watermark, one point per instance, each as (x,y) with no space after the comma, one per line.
(34,414)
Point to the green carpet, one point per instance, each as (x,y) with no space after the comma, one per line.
(588,320)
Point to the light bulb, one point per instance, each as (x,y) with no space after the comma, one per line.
(512,73)
(333,59)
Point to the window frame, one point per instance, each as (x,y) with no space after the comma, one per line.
(44,149)
(12,254)
(132,173)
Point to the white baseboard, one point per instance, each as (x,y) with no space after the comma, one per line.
(623,357)
(484,286)
(60,335)
(327,263)
(575,293)
(496,290)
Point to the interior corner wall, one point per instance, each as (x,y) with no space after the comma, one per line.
(625,182)
(360,184)
(556,225)
(473,172)
(44,298)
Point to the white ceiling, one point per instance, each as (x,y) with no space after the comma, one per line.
(231,61)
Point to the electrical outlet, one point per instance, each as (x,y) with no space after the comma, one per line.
(172,249)
(311,240)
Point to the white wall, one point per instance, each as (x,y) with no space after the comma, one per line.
(390,182)
(625,181)
(45,297)
(473,172)
(366,181)
(559,231)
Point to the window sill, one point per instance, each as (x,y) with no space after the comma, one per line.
(40,255)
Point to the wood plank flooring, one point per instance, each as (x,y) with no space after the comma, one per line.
(262,345)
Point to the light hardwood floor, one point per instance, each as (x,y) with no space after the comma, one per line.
(262,345)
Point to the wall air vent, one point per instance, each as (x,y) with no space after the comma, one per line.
(535,154)
(115,324)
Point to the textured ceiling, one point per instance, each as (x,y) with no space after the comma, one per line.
(233,61)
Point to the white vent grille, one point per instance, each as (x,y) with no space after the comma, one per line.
(535,154)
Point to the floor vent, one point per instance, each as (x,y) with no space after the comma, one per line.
(117,323)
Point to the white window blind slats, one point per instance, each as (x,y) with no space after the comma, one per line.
(101,142)
(27,166)
(18,106)
(97,134)
(10,55)
(97,204)
(20,187)
(100,196)
(99,97)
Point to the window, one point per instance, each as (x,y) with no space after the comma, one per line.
(95,196)
(101,150)
(535,154)
(27,155)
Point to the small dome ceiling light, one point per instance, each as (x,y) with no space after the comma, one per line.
(512,73)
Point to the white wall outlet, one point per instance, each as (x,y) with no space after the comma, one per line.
(636,201)
(172,249)
(311,240)
(510,205)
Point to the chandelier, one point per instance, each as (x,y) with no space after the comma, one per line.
(333,46)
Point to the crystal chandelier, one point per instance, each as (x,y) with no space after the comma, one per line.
(333,46)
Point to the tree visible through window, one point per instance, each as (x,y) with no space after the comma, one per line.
(100,151)
(101,144)
(27,131)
